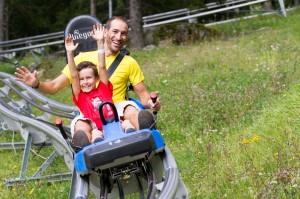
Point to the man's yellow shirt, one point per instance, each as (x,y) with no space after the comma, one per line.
(127,71)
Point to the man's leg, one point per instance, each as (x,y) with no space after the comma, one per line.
(131,113)
(140,119)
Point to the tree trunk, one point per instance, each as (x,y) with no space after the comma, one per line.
(268,5)
(93,8)
(136,33)
(2,32)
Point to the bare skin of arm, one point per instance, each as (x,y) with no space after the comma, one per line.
(144,97)
(52,86)
(49,87)
(131,113)
(70,47)
(98,35)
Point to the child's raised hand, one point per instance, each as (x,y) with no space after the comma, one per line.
(98,32)
(70,47)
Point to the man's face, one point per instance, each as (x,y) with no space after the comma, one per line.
(115,37)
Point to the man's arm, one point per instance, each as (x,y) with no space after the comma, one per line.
(49,87)
(70,48)
(144,97)
(98,35)
(55,85)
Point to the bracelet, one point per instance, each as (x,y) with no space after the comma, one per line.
(37,86)
(100,51)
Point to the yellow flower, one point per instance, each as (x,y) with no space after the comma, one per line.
(31,191)
(255,138)
(245,141)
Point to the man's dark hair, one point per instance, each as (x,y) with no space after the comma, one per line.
(108,23)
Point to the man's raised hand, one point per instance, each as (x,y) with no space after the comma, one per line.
(24,75)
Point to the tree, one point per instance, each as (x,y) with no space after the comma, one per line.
(268,5)
(136,32)
(93,8)
(2,21)
(35,17)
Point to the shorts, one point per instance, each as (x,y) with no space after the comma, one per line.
(120,106)
(80,117)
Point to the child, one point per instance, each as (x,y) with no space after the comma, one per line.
(86,94)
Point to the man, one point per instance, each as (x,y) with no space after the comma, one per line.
(115,36)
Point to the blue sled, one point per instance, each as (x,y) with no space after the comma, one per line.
(117,146)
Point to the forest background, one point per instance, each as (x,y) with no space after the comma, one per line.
(24,18)
(230,112)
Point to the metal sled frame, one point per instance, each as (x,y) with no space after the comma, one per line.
(36,131)
(122,164)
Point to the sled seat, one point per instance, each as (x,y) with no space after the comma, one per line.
(127,148)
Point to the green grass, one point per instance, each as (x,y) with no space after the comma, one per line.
(230,111)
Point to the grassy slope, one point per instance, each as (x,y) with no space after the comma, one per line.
(230,111)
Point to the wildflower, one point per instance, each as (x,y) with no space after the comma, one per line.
(31,191)
(199,140)
(255,138)
(245,141)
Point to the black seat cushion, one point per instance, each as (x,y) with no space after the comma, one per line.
(104,153)
(80,28)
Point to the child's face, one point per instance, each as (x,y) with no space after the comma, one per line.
(87,80)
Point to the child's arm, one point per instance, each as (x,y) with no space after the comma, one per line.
(98,35)
(70,47)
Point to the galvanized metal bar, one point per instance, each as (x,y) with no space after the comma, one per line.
(203,13)
(31,47)
(45,165)
(48,178)
(26,156)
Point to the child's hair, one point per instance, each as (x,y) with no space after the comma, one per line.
(87,64)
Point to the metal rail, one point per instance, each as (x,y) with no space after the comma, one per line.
(203,13)
(211,8)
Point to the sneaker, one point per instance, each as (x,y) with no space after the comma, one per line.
(98,139)
(80,140)
(146,120)
(130,130)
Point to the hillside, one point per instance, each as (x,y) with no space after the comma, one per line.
(230,111)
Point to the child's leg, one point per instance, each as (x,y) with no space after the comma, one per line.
(82,126)
(80,139)
(127,126)
(97,135)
